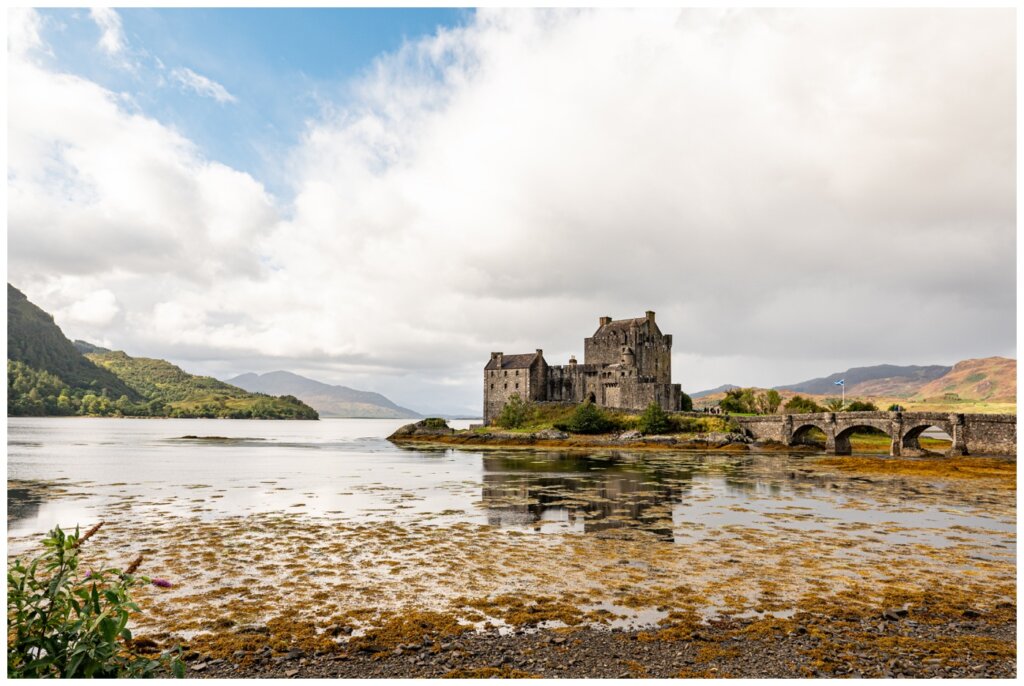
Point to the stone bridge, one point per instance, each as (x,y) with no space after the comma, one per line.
(972,434)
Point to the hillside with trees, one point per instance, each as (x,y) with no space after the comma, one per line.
(48,375)
(35,341)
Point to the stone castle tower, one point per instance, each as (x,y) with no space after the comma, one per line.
(627,364)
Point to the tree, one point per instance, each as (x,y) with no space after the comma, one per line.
(686,402)
(800,405)
(768,402)
(587,419)
(654,420)
(739,401)
(834,404)
(514,414)
(861,406)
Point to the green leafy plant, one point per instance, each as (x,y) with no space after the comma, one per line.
(514,414)
(801,405)
(861,406)
(768,402)
(834,404)
(64,624)
(654,420)
(588,418)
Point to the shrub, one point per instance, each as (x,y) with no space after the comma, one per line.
(435,423)
(800,405)
(703,425)
(63,624)
(687,402)
(514,414)
(588,418)
(654,420)
(861,406)
(738,400)
(768,402)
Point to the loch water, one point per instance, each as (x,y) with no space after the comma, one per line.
(77,471)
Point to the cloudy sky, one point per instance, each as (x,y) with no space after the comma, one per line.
(380,199)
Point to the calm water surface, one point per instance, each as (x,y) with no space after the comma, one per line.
(72,471)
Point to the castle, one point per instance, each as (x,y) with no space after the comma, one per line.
(627,364)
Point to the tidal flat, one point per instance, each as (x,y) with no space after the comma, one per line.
(322,550)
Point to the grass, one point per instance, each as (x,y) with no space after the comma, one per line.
(543,416)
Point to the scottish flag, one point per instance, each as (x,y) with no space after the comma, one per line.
(841,382)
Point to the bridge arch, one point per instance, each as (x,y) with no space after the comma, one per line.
(803,433)
(910,434)
(848,427)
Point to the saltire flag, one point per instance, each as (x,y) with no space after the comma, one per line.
(841,382)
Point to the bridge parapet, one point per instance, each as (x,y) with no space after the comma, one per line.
(984,434)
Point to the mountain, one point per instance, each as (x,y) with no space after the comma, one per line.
(329,401)
(35,341)
(990,378)
(712,391)
(48,375)
(879,380)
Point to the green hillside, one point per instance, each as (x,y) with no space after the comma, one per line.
(185,395)
(35,340)
(48,375)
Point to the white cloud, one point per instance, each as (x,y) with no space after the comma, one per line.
(112,40)
(94,309)
(791,191)
(189,80)
(23,28)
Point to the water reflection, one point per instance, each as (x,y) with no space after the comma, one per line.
(579,493)
(676,496)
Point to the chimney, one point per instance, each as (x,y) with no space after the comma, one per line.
(497,357)
(650,316)
(540,353)
(605,321)
(572,360)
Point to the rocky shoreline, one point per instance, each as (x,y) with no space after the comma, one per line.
(893,644)
(423,433)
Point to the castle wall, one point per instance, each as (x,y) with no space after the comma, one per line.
(501,384)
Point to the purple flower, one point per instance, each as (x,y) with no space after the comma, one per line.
(161,583)
(89,574)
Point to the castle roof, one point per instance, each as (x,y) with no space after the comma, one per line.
(512,361)
(621,324)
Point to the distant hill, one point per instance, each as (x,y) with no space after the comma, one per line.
(329,400)
(981,385)
(713,391)
(187,395)
(992,379)
(48,375)
(880,380)
(35,341)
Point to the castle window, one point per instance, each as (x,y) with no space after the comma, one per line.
(506,387)
(517,385)
(492,387)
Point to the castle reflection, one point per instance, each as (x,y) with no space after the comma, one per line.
(587,493)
